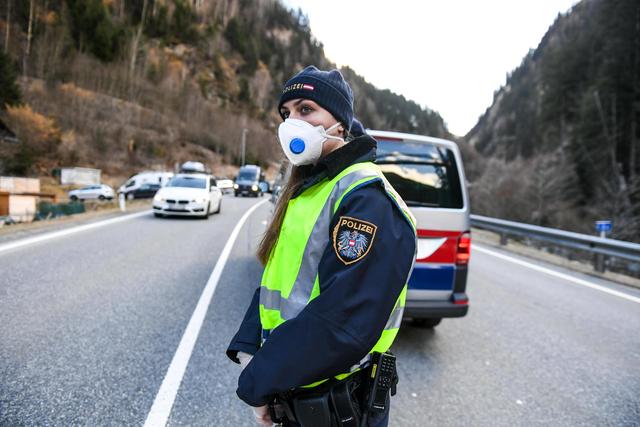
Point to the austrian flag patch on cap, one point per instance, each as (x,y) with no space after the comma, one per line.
(352,239)
(298,86)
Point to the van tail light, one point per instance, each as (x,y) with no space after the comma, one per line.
(460,299)
(463,249)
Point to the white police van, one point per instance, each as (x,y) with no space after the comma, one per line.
(428,174)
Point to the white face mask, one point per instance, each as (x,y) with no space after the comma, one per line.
(302,142)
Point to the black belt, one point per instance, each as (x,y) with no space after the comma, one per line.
(344,403)
(332,404)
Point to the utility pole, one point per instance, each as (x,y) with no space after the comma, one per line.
(244,143)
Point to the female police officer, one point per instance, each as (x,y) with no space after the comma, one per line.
(337,256)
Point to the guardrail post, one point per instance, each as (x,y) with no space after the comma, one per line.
(600,248)
(599,258)
(598,263)
(503,239)
(122,203)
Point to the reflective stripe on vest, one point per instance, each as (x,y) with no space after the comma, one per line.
(290,278)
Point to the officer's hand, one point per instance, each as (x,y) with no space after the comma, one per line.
(262,415)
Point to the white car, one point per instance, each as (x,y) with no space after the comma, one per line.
(99,191)
(224,184)
(192,194)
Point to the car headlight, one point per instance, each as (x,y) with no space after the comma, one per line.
(158,198)
(236,186)
(254,187)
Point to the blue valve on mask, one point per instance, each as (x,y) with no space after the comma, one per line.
(296,146)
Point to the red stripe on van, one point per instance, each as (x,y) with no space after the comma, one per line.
(445,254)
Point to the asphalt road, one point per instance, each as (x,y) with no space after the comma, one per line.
(90,322)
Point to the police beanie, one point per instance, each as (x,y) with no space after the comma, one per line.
(327,88)
(357,129)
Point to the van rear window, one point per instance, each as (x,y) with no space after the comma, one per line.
(422,173)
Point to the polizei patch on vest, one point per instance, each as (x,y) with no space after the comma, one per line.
(352,239)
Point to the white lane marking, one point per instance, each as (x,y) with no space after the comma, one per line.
(161,408)
(47,236)
(558,274)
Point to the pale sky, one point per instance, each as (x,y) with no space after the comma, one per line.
(448,55)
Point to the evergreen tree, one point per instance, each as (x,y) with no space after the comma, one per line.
(9,90)
(93,30)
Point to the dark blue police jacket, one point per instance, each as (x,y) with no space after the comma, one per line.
(340,326)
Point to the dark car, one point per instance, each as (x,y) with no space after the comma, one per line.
(248,181)
(145,191)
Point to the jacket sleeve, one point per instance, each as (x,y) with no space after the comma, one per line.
(341,325)
(247,339)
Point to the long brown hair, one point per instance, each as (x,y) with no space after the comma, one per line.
(270,238)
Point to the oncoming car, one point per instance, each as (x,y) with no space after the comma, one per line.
(224,184)
(99,191)
(248,181)
(429,176)
(188,195)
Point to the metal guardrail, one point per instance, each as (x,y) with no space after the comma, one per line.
(599,246)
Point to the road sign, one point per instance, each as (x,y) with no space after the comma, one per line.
(603,226)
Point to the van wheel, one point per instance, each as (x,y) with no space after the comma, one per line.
(74,198)
(427,323)
(101,197)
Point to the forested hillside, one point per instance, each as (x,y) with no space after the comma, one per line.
(561,138)
(130,84)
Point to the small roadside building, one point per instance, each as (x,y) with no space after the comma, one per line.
(19,197)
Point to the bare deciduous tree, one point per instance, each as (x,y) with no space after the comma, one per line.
(8,30)
(539,190)
(136,39)
(25,57)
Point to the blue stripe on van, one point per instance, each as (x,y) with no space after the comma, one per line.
(432,277)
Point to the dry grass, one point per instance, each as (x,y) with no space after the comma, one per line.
(122,137)
(94,210)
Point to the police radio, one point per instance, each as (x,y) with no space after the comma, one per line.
(383,378)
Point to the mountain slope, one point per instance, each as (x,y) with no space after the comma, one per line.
(143,80)
(577,98)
